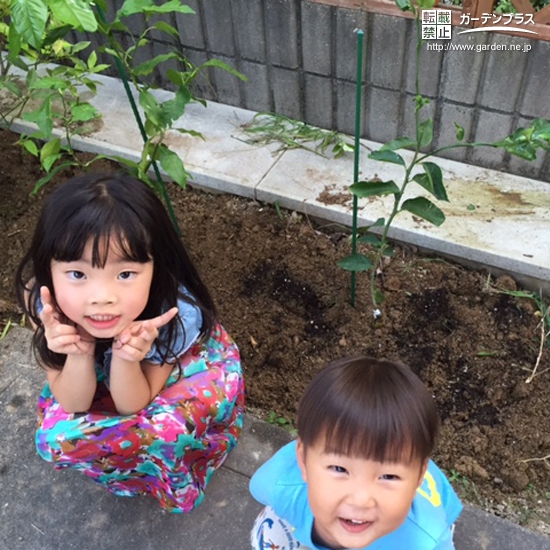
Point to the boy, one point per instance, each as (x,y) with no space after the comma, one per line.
(359,476)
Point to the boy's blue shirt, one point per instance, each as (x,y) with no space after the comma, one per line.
(278,483)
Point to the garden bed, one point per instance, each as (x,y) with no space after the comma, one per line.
(280,294)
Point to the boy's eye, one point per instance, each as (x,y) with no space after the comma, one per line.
(389,477)
(76,275)
(125,275)
(338,469)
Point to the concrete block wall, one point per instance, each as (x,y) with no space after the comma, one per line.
(300,60)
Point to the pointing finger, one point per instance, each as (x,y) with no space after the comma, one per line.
(46,296)
(166,317)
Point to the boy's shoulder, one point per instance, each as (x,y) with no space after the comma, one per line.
(282,468)
(436,506)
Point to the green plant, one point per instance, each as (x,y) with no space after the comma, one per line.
(6,329)
(267,128)
(32,38)
(32,35)
(417,169)
(543,312)
(159,115)
(281,421)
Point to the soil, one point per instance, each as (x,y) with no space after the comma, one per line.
(280,294)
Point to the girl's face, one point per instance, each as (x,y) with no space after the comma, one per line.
(102,301)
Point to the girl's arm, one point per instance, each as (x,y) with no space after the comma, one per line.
(134,382)
(74,386)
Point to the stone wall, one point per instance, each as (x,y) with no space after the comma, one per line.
(300,60)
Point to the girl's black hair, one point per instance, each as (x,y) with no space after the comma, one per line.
(367,408)
(100,208)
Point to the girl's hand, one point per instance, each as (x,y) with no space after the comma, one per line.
(135,341)
(60,336)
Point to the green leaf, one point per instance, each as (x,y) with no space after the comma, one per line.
(83,112)
(405,5)
(378,297)
(149,66)
(388,251)
(162,26)
(30,146)
(221,65)
(541,130)
(12,87)
(425,133)
(51,148)
(399,143)
(387,156)
(148,7)
(49,161)
(369,238)
(173,166)
(459,131)
(432,181)
(77,13)
(374,188)
(55,34)
(51,83)
(193,133)
(92,60)
(174,108)
(42,181)
(425,209)
(355,262)
(42,117)
(147,100)
(29,18)
(380,222)
(433,171)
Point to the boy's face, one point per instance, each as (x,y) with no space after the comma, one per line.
(356,501)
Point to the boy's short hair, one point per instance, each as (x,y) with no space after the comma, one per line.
(373,409)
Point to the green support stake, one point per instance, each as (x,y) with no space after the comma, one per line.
(356,151)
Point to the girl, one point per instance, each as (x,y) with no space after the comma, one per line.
(144,388)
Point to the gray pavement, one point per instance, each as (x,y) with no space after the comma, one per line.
(45,509)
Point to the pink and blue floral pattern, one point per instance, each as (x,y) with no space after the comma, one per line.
(168,450)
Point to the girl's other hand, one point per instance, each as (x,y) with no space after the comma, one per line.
(135,341)
(60,336)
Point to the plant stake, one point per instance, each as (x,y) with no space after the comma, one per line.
(356,153)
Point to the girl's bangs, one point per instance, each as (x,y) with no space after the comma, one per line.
(123,235)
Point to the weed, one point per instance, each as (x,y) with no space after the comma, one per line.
(543,312)
(267,128)
(6,329)
(282,422)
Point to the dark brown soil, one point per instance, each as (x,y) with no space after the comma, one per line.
(283,298)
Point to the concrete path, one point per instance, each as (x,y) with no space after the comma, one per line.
(45,509)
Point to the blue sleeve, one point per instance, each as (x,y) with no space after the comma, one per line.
(187,331)
(446,541)
(261,482)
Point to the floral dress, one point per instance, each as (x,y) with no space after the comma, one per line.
(171,448)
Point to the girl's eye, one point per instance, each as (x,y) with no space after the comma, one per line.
(76,275)
(338,469)
(126,275)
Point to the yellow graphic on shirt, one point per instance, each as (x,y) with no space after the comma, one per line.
(431,493)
